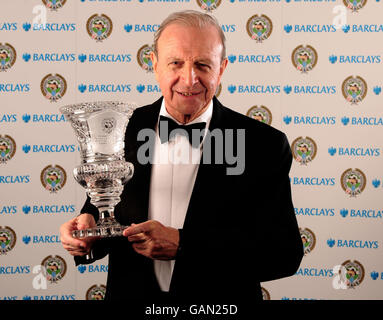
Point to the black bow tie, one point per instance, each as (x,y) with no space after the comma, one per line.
(165,135)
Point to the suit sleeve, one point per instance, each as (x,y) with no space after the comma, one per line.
(278,244)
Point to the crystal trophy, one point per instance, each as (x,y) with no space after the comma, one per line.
(100,130)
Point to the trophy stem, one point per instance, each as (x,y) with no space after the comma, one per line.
(107,226)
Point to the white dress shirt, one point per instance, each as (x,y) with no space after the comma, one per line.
(174,170)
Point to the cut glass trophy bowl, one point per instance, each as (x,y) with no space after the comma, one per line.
(100,130)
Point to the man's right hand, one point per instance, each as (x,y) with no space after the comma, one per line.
(77,247)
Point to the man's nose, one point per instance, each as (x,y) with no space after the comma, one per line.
(189,76)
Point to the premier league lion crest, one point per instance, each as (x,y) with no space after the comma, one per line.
(55,268)
(209,5)
(7,240)
(259,27)
(354,89)
(354,273)
(353,182)
(354,5)
(261,114)
(53,87)
(99,27)
(7,56)
(304,150)
(96,292)
(308,240)
(53,178)
(7,148)
(143,58)
(304,58)
(54,4)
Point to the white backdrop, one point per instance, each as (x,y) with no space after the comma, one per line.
(310,68)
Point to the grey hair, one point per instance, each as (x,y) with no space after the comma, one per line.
(190,18)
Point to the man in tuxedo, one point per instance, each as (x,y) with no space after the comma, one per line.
(209,230)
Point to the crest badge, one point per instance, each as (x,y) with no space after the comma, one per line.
(304,150)
(353,182)
(96,292)
(308,240)
(7,148)
(209,5)
(261,114)
(54,4)
(354,273)
(55,268)
(143,58)
(7,240)
(259,28)
(354,5)
(304,58)
(53,87)
(7,56)
(99,27)
(53,178)
(354,89)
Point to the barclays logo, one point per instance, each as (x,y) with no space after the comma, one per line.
(105,88)
(8,209)
(15,87)
(92,268)
(361,213)
(254,58)
(15,179)
(8,118)
(362,244)
(325,212)
(108,1)
(254,89)
(312,181)
(49,209)
(309,120)
(105,58)
(362,121)
(316,89)
(8,26)
(45,118)
(8,298)
(309,28)
(17,269)
(141,27)
(167,1)
(354,152)
(50,148)
(355,59)
(254,1)
(375,275)
(364,28)
(314,272)
(148,88)
(376,183)
(41,239)
(51,297)
(49,57)
(49,26)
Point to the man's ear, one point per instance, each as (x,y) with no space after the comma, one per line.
(154,59)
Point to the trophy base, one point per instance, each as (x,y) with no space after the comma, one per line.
(105,228)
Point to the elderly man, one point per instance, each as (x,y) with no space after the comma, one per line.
(195,232)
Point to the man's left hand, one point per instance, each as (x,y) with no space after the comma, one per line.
(153,240)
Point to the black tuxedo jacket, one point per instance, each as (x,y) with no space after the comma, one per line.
(239,230)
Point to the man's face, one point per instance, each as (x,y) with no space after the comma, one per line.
(188,69)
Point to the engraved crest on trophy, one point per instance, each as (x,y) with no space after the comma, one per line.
(100,130)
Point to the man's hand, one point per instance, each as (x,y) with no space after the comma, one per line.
(153,240)
(77,247)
